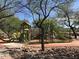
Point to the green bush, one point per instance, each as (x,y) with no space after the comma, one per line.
(62,37)
(68,37)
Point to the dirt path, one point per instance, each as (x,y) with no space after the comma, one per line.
(73,43)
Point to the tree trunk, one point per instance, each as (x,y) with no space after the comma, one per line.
(74,33)
(42,39)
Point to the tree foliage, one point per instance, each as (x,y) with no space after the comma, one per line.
(10,25)
(9,8)
(68,16)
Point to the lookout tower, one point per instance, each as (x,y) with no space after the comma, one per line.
(25,31)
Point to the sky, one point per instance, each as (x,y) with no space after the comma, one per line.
(76,5)
(21,16)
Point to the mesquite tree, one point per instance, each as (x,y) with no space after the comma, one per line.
(69,20)
(41,10)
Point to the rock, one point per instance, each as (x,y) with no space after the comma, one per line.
(55,53)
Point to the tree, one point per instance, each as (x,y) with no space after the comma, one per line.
(52,29)
(48,25)
(10,25)
(68,17)
(42,10)
(9,8)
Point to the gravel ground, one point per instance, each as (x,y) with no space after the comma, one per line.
(54,51)
(10,50)
(66,52)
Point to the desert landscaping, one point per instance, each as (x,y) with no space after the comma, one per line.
(39,29)
(52,51)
